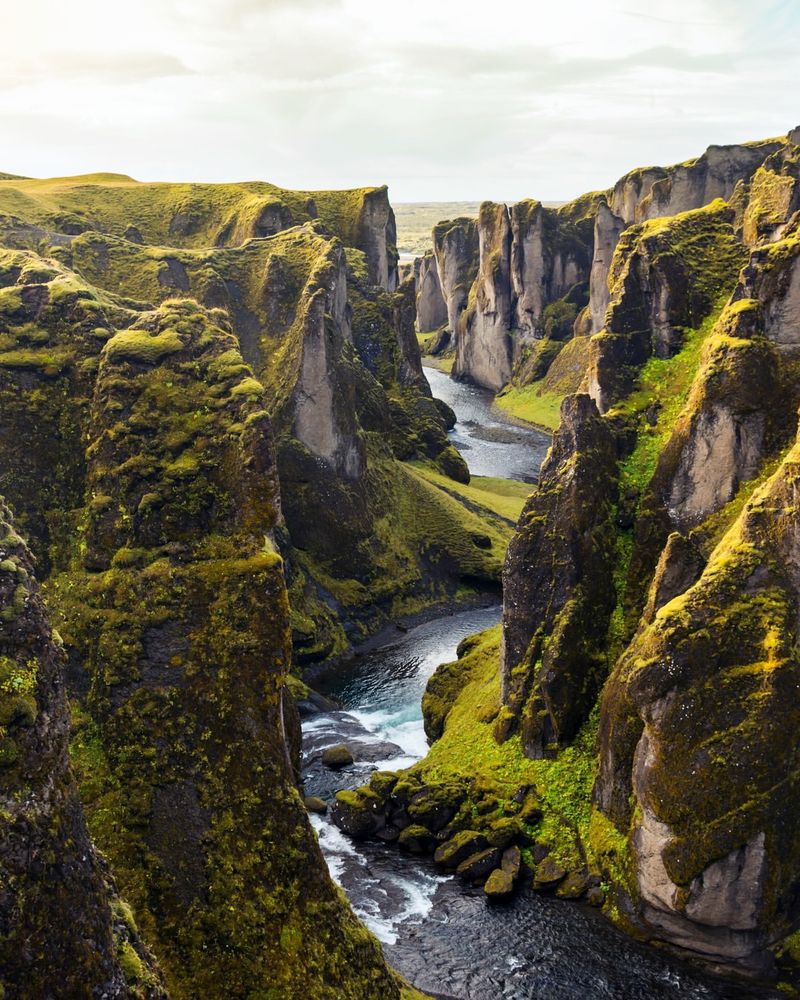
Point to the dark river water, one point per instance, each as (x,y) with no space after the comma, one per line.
(442,937)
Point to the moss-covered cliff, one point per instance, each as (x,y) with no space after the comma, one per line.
(648,660)
(64,931)
(551,253)
(136,435)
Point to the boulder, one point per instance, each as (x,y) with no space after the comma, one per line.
(499,885)
(337,757)
(461,846)
(548,874)
(477,866)
(417,839)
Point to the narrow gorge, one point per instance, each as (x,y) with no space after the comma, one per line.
(372,630)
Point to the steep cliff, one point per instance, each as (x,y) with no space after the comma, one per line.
(455,246)
(138,444)
(558,590)
(483,345)
(695,765)
(665,278)
(431,306)
(196,215)
(630,731)
(554,250)
(65,931)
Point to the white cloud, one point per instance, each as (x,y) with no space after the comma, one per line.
(445,99)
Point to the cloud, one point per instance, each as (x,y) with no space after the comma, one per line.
(117,68)
(538,99)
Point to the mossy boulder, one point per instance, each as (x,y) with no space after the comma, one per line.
(477,866)
(460,847)
(358,813)
(337,757)
(499,885)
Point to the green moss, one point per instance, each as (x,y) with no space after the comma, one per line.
(142,346)
(662,390)
(504,497)
(533,404)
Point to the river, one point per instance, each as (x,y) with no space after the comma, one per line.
(440,936)
(491,446)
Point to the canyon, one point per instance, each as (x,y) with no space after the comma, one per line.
(225,471)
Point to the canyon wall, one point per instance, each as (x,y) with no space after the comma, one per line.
(628,730)
(150,399)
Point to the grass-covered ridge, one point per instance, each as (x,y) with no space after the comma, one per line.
(177,215)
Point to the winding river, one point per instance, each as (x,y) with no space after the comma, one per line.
(491,446)
(439,935)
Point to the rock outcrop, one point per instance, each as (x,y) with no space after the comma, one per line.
(199,215)
(347,397)
(660,191)
(695,764)
(553,250)
(666,276)
(431,306)
(607,230)
(144,432)
(651,592)
(65,931)
(483,346)
(455,246)
(558,592)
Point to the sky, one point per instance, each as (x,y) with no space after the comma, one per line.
(440,99)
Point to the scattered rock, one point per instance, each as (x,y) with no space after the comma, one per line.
(337,757)
(574,886)
(358,814)
(417,839)
(512,861)
(504,833)
(459,848)
(477,866)
(499,885)
(482,541)
(595,896)
(548,874)
(315,804)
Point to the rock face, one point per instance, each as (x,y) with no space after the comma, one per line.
(483,347)
(558,591)
(149,428)
(607,229)
(431,306)
(652,587)
(661,191)
(662,281)
(347,398)
(693,727)
(550,255)
(455,245)
(178,624)
(528,258)
(376,236)
(63,925)
(552,251)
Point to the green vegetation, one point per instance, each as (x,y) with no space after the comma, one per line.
(505,497)
(662,391)
(532,404)
(177,215)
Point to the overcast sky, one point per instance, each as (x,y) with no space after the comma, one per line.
(441,99)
